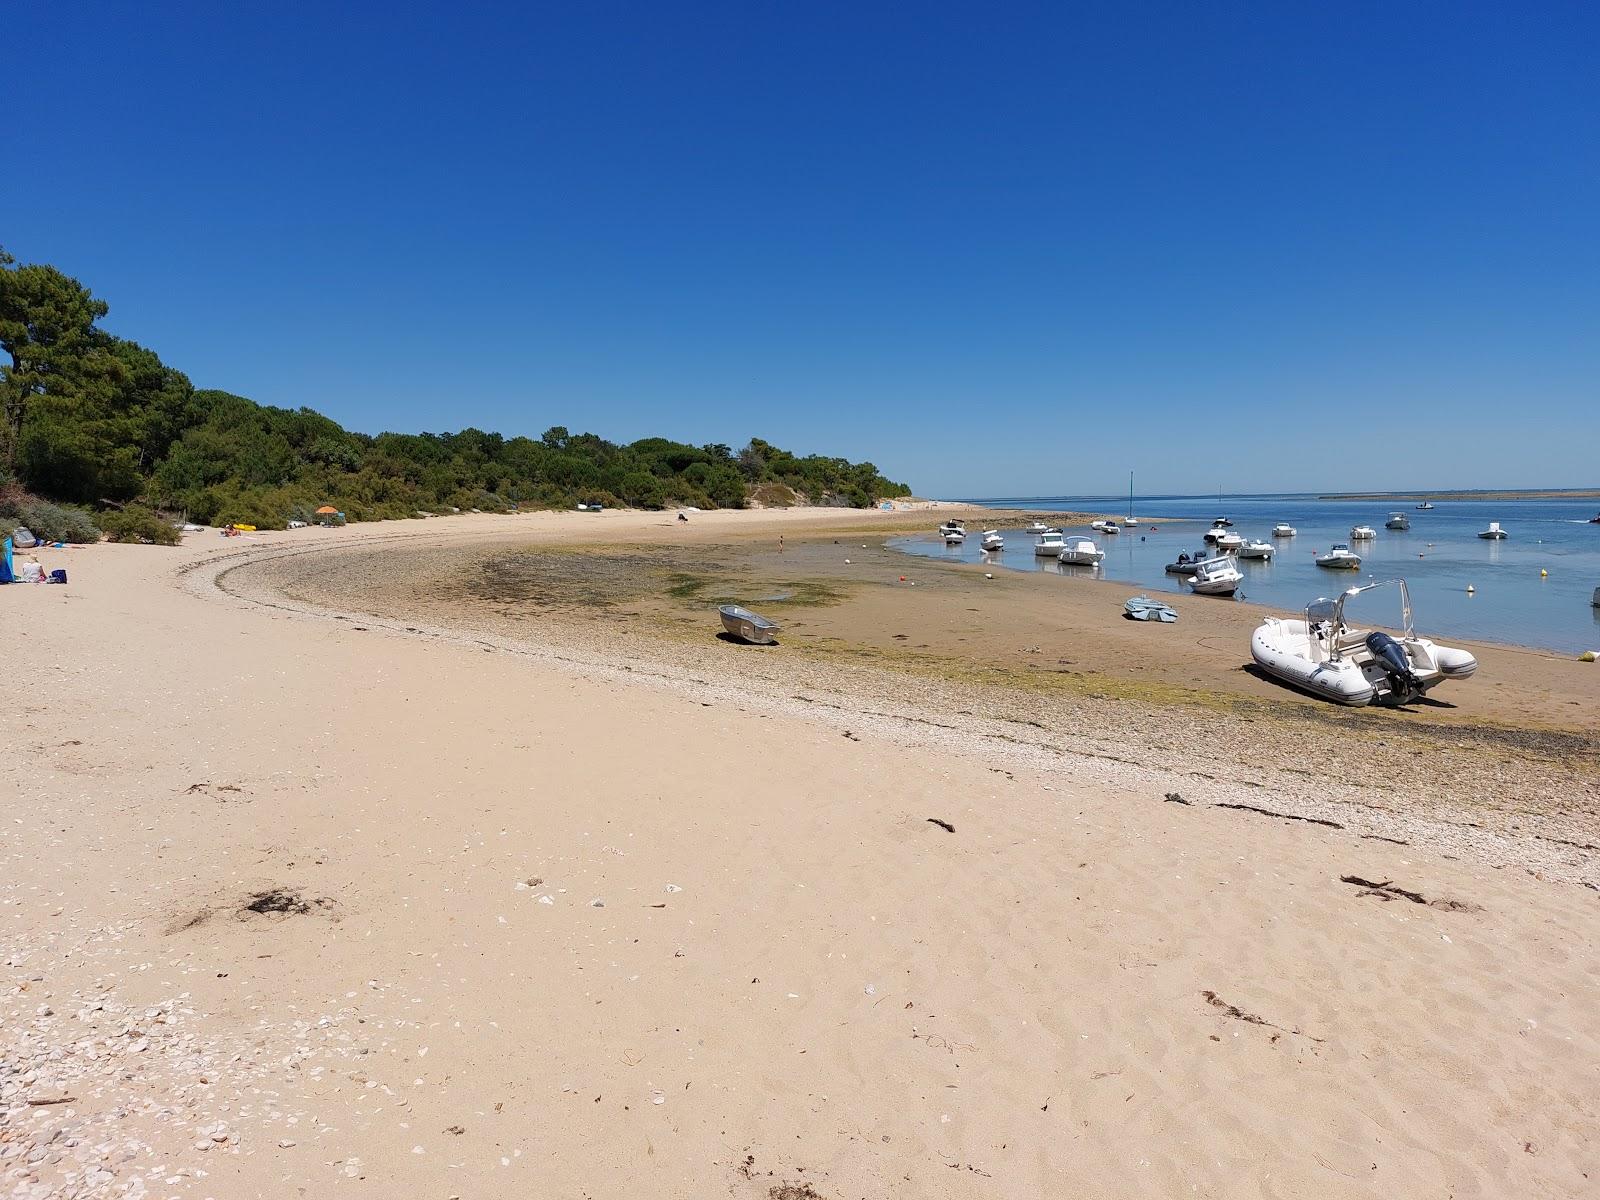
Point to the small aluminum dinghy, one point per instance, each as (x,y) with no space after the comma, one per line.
(1322,655)
(1142,608)
(747,626)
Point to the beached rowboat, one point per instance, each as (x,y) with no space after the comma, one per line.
(747,626)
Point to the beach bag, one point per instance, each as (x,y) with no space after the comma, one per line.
(58,575)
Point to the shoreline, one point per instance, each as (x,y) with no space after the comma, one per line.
(1258,605)
(1016,698)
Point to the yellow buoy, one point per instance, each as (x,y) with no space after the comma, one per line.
(1543,574)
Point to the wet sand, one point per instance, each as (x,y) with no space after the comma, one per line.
(518,881)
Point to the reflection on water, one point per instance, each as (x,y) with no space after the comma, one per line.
(1440,556)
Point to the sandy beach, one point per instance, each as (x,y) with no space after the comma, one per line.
(460,858)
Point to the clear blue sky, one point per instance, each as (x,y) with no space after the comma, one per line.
(994,248)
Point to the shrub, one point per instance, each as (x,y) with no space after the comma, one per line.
(52,522)
(774,495)
(136,523)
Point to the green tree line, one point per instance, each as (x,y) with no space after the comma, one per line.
(93,419)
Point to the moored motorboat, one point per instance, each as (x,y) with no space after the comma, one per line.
(954,537)
(1215,577)
(1255,548)
(1425,506)
(1340,558)
(1222,523)
(1104,526)
(1322,655)
(993,541)
(1048,545)
(1282,529)
(1081,551)
(1142,608)
(1362,533)
(1494,532)
(1397,520)
(953,526)
(1185,563)
(1222,539)
(1037,527)
(747,626)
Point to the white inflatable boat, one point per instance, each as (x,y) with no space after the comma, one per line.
(1322,655)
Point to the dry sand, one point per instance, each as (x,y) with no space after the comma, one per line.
(578,915)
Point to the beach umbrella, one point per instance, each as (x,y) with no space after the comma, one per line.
(327,510)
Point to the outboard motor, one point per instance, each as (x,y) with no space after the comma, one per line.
(1392,658)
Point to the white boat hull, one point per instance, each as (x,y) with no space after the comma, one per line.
(1284,649)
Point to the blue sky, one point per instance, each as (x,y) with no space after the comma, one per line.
(997,249)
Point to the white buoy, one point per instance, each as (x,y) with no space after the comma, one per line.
(1470,588)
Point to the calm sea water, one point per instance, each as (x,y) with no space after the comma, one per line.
(1438,557)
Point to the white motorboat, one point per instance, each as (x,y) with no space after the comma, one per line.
(992,541)
(1215,577)
(1322,655)
(1425,506)
(953,527)
(1255,548)
(1037,527)
(747,626)
(1494,532)
(1362,533)
(1049,545)
(1397,520)
(1223,539)
(954,537)
(1222,523)
(1283,530)
(1082,551)
(1104,526)
(1340,558)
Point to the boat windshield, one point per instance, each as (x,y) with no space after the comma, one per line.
(1367,606)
